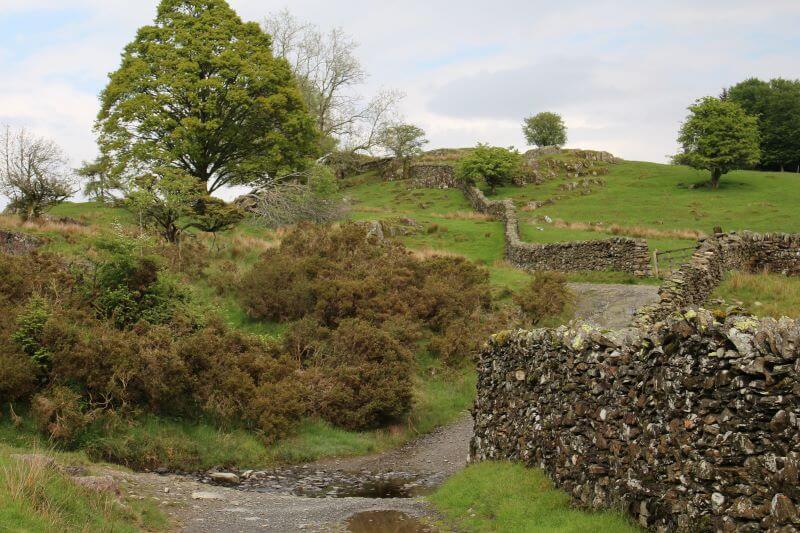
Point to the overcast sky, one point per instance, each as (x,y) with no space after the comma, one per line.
(620,72)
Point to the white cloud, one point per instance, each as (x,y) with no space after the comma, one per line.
(622,72)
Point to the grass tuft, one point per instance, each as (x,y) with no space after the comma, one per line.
(498,496)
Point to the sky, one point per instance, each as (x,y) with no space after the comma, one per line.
(620,72)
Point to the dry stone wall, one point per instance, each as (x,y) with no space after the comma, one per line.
(691,425)
(621,254)
(694,282)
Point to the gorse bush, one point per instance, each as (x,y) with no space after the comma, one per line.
(336,274)
(30,329)
(547,295)
(77,361)
(126,287)
(360,310)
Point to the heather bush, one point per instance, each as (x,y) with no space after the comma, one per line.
(18,374)
(335,274)
(547,295)
(74,359)
(360,311)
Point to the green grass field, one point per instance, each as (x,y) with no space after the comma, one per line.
(511,498)
(770,295)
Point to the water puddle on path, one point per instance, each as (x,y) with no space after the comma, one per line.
(386,522)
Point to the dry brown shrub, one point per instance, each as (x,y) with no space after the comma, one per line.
(547,295)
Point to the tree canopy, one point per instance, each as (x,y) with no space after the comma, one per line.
(494,164)
(199,91)
(776,104)
(404,141)
(34,173)
(545,129)
(718,136)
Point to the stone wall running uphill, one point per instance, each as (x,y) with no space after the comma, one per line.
(620,253)
(694,282)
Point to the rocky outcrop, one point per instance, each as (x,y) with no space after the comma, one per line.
(619,253)
(691,425)
(18,243)
(434,176)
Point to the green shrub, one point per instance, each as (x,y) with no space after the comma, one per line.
(127,288)
(28,336)
(547,295)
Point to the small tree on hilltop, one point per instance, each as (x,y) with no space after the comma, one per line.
(99,181)
(718,136)
(545,129)
(200,92)
(34,173)
(493,164)
(404,141)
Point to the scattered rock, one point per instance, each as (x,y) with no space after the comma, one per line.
(18,243)
(98,483)
(207,496)
(225,477)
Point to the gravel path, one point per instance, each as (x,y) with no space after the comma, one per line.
(611,306)
(203,508)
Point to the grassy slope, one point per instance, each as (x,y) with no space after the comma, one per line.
(35,498)
(440,395)
(761,294)
(511,498)
(647,200)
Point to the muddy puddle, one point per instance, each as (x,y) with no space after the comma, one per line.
(386,522)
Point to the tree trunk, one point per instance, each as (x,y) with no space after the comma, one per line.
(715,175)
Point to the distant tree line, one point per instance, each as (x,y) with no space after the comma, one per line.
(776,106)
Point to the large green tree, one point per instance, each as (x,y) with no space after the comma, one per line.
(718,136)
(545,129)
(776,104)
(200,92)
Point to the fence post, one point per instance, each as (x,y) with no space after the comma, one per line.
(655,262)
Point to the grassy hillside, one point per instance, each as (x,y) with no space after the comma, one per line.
(440,393)
(642,200)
